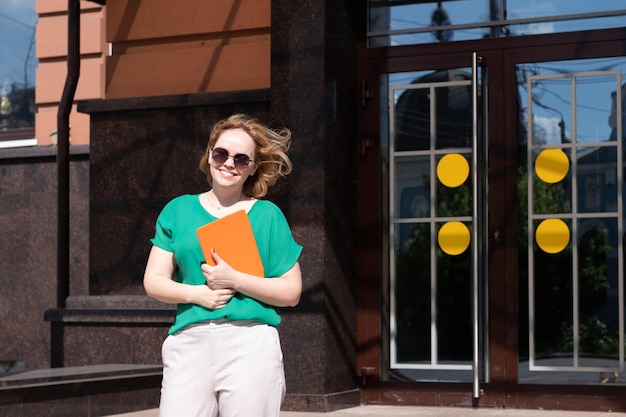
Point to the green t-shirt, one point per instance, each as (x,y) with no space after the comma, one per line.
(176,232)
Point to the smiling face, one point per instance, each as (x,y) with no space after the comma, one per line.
(226,175)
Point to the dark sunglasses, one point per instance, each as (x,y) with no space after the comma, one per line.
(220,155)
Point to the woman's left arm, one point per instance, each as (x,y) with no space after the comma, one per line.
(282,291)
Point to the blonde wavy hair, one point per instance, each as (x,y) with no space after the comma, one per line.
(271,152)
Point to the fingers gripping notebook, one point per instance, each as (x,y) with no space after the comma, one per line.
(232,239)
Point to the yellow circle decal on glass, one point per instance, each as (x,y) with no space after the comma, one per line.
(552,165)
(452,170)
(552,235)
(453,238)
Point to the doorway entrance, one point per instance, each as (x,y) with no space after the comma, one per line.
(491,188)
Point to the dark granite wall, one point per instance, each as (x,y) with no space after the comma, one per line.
(28,207)
(314,46)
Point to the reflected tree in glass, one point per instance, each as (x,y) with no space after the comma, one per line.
(413,289)
(553,281)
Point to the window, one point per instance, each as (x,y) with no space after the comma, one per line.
(18,63)
(402,22)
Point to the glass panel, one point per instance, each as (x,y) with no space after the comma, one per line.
(454,112)
(430,328)
(552,306)
(404,23)
(426,14)
(418,320)
(562,100)
(412,289)
(596,179)
(17,65)
(535,8)
(457,201)
(433,110)
(454,307)
(551,198)
(570,296)
(413,117)
(598,291)
(523,9)
(412,186)
(593,107)
(552,114)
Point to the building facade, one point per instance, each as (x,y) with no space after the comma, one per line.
(458,190)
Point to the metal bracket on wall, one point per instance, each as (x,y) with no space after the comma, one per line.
(364,145)
(365,372)
(365,94)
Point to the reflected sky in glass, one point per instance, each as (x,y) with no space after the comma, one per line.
(422,16)
(553,99)
(17,42)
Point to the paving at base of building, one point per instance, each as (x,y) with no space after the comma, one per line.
(391,411)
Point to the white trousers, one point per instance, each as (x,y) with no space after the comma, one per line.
(225,369)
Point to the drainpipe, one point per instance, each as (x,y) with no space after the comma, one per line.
(63,152)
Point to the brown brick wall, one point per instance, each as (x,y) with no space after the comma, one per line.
(196,46)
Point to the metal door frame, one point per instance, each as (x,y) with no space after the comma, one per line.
(477,220)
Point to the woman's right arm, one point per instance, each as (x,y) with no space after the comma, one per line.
(158,283)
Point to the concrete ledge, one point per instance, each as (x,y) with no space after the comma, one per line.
(174,101)
(101,329)
(96,390)
(120,301)
(112,309)
(160,316)
(73,374)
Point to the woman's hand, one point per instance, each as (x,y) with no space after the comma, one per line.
(220,276)
(159,284)
(213,299)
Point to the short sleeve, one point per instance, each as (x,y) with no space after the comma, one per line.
(164,231)
(281,249)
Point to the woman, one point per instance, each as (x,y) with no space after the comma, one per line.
(222,356)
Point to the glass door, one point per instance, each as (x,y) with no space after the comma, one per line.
(491,210)
(434,221)
(571,222)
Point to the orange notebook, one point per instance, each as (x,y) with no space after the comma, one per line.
(232,239)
